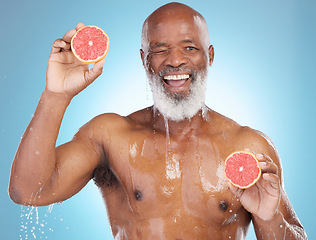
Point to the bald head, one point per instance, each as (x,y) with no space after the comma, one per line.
(169,14)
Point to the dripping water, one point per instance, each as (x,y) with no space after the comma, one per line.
(148,91)
(167,132)
(205,116)
(36,222)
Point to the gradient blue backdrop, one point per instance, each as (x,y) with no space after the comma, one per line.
(263,76)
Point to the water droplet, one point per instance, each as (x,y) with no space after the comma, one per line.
(50,208)
(167,131)
(133,150)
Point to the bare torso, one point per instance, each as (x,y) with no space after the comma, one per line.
(171,185)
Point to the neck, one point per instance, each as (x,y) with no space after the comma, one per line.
(183,127)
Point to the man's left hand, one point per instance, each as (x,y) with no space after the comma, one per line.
(263,198)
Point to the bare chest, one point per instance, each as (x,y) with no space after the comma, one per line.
(175,179)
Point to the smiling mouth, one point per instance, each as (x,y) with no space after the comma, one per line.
(176,80)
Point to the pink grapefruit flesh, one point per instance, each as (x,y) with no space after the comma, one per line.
(90,44)
(242,169)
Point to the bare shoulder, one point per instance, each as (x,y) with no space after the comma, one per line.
(256,141)
(107,126)
(104,122)
(114,120)
(244,137)
(106,119)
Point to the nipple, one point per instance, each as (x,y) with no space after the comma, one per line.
(138,195)
(223,205)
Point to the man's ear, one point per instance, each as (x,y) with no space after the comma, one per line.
(142,55)
(211,54)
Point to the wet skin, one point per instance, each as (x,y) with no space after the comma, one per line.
(173,188)
(169,175)
(159,179)
(173,180)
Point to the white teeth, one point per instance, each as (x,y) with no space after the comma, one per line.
(176,77)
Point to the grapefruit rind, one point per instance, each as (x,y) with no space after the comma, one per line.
(90,60)
(239,185)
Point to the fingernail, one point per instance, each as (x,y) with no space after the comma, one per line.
(262,164)
(265,176)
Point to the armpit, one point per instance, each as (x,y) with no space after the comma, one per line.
(104,177)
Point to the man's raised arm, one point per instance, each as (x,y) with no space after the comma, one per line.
(41,173)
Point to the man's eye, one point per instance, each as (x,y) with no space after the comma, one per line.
(190,48)
(160,51)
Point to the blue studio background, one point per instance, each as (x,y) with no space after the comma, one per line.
(263,76)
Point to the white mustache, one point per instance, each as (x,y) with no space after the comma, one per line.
(179,69)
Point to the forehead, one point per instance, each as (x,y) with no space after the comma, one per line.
(176,28)
(172,30)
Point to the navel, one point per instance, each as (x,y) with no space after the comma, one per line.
(138,195)
(223,205)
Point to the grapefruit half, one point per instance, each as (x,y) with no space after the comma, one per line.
(242,169)
(90,44)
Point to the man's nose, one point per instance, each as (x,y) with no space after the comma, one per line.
(175,58)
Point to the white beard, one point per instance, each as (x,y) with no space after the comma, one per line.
(175,106)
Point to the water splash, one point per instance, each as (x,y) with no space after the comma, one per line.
(35,222)
(207,185)
(50,208)
(173,168)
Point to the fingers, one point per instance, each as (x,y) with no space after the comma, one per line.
(94,72)
(68,36)
(269,171)
(64,43)
(272,179)
(266,164)
(99,65)
(79,25)
(60,45)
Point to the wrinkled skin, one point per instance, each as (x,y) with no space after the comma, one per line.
(160,179)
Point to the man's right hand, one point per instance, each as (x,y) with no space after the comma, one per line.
(65,73)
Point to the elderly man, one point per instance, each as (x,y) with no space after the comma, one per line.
(160,169)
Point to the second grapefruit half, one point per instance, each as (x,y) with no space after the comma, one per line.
(242,169)
(90,44)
